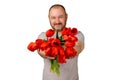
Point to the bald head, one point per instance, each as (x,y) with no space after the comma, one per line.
(55,6)
(57,17)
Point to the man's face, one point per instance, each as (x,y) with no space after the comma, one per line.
(57,18)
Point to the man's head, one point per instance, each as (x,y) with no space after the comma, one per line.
(57,17)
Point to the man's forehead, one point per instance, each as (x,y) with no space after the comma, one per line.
(57,8)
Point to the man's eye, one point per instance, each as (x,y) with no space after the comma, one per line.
(52,17)
(61,17)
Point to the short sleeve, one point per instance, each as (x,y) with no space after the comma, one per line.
(42,36)
(80,36)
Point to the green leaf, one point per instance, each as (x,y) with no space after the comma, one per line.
(55,66)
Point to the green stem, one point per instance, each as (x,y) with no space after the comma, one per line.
(54,62)
(55,66)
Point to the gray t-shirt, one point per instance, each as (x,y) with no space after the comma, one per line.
(68,70)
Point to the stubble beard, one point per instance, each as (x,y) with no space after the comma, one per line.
(58,28)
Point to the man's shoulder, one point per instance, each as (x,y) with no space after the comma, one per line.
(80,33)
(42,35)
(80,36)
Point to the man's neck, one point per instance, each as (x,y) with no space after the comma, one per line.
(59,33)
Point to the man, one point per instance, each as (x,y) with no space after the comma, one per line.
(69,70)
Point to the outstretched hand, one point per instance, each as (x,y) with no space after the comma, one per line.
(42,54)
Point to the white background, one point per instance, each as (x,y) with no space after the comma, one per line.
(21,21)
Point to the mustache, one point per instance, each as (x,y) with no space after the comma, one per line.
(57,23)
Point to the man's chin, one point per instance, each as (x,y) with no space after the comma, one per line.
(58,29)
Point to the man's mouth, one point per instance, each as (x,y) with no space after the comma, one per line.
(58,24)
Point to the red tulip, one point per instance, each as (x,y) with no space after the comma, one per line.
(74,31)
(50,33)
(44,45)
(61,59)
(61,51)
(54,52)
(55,42)
(32,46)
(70,52)
(39,42)
(66,31)
(48,51)
(73,38)
(69,44)
(65,37)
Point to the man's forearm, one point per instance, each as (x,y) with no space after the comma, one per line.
(79,46)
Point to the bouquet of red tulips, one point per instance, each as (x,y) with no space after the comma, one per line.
(54,46)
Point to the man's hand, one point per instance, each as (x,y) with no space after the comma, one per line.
(42,54)
(79,46)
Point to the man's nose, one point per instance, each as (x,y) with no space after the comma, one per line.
(57,20)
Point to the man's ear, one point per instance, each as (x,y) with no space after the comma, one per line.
(66,16)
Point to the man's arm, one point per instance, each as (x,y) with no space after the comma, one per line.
(42,54)
(79,46)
